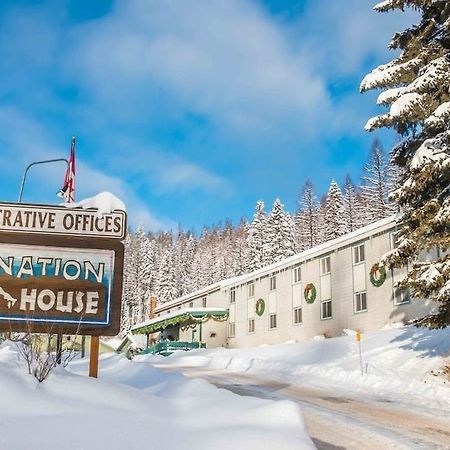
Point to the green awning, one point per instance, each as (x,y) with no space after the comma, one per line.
(181,317)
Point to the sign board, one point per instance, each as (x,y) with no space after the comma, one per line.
(41,219)
(55,283)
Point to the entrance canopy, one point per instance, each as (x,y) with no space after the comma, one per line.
(180,317)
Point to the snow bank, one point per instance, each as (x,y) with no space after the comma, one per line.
(104,202)
(399,365)
(134,405)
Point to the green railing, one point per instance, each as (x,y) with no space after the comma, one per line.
(168,347)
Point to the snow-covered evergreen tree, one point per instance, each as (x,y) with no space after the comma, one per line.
(280,234)
(334,218)
(257,239)
(416,88)
(306,218)
(375,186)
(167,281)
(353,205)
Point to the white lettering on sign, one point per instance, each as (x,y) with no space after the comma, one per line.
(46,299)
(61,221)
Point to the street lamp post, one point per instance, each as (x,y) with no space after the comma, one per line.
(22,185)
(35,163)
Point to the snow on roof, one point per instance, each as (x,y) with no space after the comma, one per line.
(179,312)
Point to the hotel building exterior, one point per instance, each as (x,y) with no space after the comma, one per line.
(321,291)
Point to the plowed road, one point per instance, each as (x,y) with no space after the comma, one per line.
(338,422)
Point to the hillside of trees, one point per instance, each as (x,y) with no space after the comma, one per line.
(170,264)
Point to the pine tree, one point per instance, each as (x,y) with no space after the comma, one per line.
(256,238)
(306,218)
(335,225)
(280,234)
(416,88)
(375,187)
(353,206)
(167,281)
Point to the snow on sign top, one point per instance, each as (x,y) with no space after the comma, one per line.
(54,220)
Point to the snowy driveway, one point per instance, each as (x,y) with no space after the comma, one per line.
(335,421)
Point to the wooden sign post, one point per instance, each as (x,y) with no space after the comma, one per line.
(61,272)
(93,356)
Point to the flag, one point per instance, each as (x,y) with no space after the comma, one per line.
(68,190)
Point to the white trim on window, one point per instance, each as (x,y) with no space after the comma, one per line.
(326,309)
(273,283)
(251,289)
(360,302)
(251,326)
(359,254)
(232,330)
(272,321)
(232,295)
(298,315)
(325,265)
(296,274)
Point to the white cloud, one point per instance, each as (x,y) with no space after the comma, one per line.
(227,60)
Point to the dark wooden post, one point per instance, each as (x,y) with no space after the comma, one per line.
(93,357)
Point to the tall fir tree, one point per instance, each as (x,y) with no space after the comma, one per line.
(375,184)
(353,206)
(306,218)
(416,88)
(280,234)
(167,281)
(256,238)
(334,218)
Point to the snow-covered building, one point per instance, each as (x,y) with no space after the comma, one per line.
(321,291)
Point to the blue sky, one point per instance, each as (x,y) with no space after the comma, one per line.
(188,110)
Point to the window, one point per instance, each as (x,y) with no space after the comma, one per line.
(231,330)
(298,315)
(325,309)
(251,325)
(272,321)
(325,265)
(360,301)
(251,290)
(297,274)
(233,295)
(273,282)
(358,254)
(191,304)
(204,302)
(401,296)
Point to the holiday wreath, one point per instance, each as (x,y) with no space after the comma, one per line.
(310,293)
(377,275)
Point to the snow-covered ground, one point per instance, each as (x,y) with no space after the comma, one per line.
(401,365)
(132,406)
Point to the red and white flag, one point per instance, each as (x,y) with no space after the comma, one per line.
(68,189)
